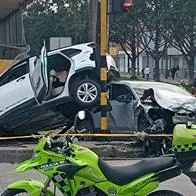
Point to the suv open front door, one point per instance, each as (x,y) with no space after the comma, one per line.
(39,78)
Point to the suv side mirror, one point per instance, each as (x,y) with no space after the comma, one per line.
(124,98)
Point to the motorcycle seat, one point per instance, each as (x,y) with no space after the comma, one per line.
(122,175)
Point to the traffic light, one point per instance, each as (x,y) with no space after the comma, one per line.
(121,5)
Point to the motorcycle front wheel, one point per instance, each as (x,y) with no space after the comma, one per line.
(12,192)
(19,192)
(165,193)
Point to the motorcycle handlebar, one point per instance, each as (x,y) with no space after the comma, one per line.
(63,145)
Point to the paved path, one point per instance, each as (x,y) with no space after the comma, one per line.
(181,184)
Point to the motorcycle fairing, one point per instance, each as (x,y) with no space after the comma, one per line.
(32,187)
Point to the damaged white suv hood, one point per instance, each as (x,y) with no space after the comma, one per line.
(167,96)
(178,101)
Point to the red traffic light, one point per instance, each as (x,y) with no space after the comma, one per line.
(127,4)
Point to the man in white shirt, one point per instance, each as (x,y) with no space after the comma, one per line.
(147,72)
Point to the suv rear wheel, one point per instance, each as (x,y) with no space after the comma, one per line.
(85,92)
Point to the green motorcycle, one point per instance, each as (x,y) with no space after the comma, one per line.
(76,170)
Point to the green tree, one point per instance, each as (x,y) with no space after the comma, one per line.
(124,30)
(181,24)
(57,18)
(152,23)
(143,27)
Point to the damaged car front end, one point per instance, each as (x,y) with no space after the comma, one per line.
(166,105)
(176,104)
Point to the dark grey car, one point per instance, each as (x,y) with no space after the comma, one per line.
(127,111)
(131,102)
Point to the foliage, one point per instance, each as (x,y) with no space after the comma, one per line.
(150,25)
(181,25)
(152,29)
(126,77)
(124,31)
(57,18)
(153,25)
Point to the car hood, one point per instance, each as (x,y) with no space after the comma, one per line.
(176,102)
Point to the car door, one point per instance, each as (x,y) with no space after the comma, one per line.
(39,79)
(15,87)
(121,117)
(19,95)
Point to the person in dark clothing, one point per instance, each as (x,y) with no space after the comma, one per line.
(173,71)
(143,75)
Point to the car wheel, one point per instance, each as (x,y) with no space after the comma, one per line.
(85,92)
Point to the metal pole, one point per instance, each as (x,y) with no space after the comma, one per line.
(103,71)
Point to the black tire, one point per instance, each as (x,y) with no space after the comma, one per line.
(79,91)
(12,192)
(155,151)
(165,193)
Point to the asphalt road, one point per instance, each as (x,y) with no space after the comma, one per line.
(181,184)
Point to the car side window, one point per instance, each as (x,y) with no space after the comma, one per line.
(71,52)
(14,73)
(119,89)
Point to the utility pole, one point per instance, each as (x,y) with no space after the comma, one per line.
(117,6)
(103,70)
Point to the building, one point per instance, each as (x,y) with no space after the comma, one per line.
(172,58)
(12,38)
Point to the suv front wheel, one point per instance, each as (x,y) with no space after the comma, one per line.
(85,92)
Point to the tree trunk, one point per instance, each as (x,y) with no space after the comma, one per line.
(133,66)
(128,63)
(166,69)
(156,72)
(93,20)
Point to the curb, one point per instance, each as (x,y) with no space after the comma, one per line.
(106,150)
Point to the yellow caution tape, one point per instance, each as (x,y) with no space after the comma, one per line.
(91,135)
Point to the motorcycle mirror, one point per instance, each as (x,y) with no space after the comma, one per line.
(82,115)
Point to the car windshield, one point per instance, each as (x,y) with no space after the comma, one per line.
(167,88)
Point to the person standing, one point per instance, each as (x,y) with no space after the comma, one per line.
(173,71)
(147,72)
(143,75)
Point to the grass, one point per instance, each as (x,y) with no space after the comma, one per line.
(124,77)
(130,78)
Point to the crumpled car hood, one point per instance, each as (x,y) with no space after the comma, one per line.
(176,102)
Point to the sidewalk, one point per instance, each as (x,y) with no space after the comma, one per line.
(13,153)
(162,79)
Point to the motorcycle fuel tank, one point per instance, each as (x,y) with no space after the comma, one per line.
(184,142)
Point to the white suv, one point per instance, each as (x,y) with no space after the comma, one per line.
(35,97)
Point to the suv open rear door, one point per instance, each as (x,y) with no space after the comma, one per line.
(39,78)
